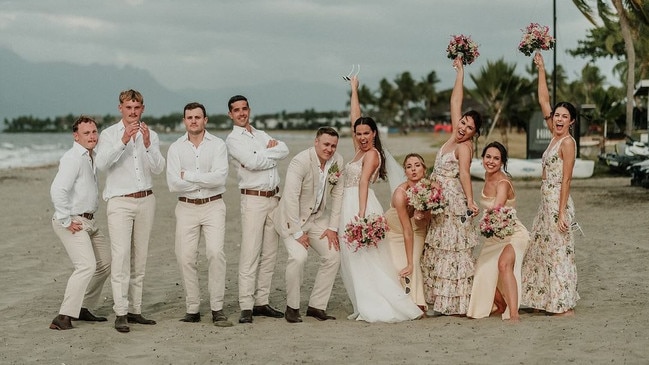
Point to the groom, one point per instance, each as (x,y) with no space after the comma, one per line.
(304,219)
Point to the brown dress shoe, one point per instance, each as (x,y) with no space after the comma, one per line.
(246,316)
(137,318)
(61,322)
(292,315)
(220,320)
(85,315)
(318,314)
(266,311)
(121,324)
(191,317)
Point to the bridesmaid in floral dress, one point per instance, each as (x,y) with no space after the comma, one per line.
(447,262)
(549,269)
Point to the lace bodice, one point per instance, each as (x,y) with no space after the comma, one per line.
(353,170)
(552,163)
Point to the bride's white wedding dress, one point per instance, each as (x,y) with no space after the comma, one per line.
(369,276)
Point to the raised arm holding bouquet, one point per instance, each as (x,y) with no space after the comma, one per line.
(549,270)
(447,262)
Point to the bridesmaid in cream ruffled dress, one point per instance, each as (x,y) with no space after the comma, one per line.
(447,262)
(497,277)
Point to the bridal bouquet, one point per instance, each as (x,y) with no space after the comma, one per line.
(464,47)
(365,232)
(536,37)
(333,174)
(426,196)
(498,221)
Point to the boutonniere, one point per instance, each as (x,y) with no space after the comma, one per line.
(333,174)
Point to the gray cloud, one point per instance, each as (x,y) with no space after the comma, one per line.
(204,43)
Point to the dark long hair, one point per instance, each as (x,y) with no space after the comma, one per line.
(377,142)
(477,120)
(571,109)
(503,153)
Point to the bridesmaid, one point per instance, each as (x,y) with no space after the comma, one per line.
(448,262)
(549,269)
(497,276)
(408,231)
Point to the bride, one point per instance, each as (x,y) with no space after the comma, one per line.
(371,281)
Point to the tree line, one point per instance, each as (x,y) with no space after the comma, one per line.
(505,97)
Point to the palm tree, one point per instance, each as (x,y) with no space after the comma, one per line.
(632,16)
(497,90)
(405,94)
(387,101)
(427,93)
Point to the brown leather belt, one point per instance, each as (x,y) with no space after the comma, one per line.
(200,201)
(267,194)
(139,194)
(88,216)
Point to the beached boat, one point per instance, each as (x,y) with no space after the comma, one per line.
(520,168)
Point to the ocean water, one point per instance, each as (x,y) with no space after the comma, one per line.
(43,149)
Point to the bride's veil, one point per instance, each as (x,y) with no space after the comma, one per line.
(395,172)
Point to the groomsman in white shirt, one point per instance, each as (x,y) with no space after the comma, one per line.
(129,153)
(197,169)
(255,155)
(75,197)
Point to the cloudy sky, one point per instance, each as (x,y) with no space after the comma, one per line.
(215,43)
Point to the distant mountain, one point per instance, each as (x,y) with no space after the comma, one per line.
(50,89)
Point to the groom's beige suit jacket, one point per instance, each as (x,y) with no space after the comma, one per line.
(299,195)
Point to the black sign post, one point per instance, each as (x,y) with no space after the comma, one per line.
(538,136)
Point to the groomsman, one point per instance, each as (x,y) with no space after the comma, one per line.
(304,219)
(75,197)
(129,153)
(255,156)
(197,169)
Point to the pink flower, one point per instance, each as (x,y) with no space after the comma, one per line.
(498,221)
(464,47)
(536,37)
(365,232)
(426,196)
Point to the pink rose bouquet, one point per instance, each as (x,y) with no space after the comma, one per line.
(536,37)
(464,47)
(365,232)
(498,221)
(426,196)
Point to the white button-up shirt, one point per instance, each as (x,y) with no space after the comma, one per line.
(128,167)
(74,189)
(205,168)
(256,165)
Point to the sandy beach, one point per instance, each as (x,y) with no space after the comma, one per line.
(610,325)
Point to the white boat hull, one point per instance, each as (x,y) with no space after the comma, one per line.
(520,168)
